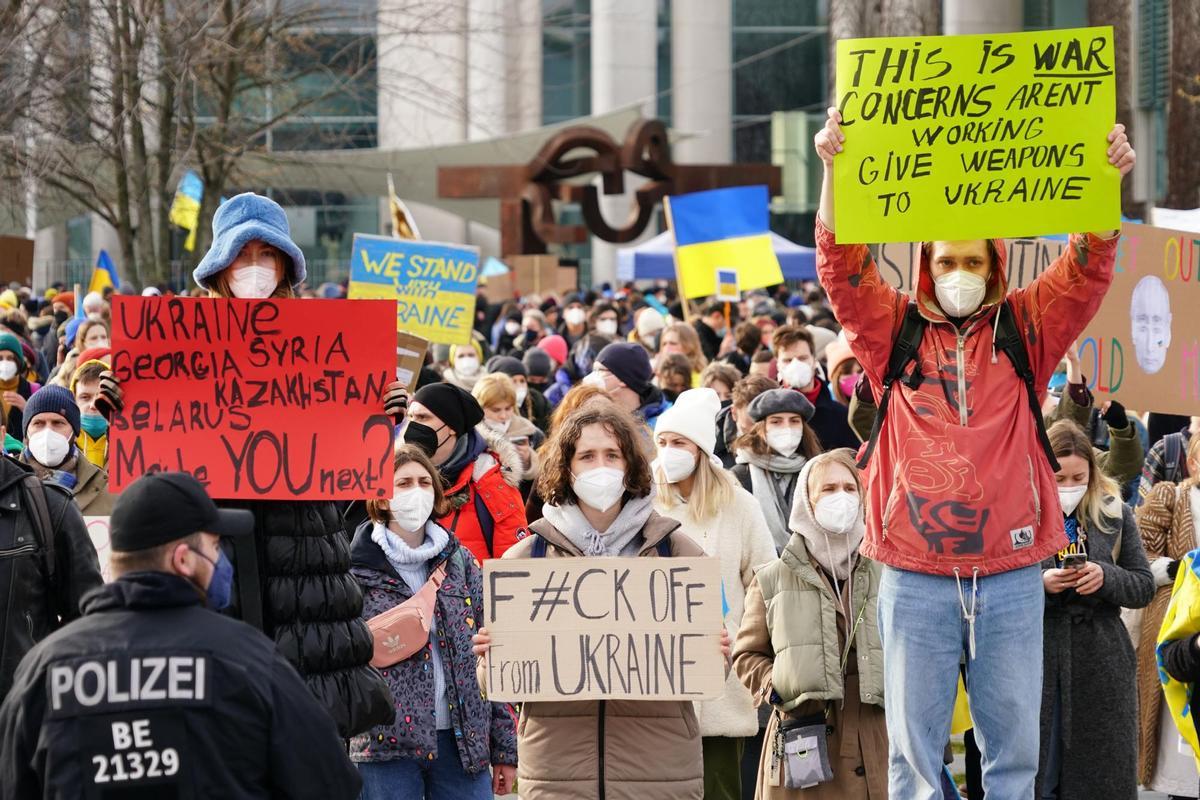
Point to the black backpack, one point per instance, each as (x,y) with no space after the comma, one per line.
(907,346)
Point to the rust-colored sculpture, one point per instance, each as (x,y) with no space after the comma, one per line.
(561,172)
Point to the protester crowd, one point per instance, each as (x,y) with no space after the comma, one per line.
(777,434)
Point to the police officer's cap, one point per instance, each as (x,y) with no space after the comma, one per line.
(165,506)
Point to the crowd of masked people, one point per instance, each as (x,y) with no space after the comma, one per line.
(609,423)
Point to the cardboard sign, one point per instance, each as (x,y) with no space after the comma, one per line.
(99,529)
(410,357)
(1027,259)
(1143,346)
(433,284)
(972,137)
(259,399)
(594,628)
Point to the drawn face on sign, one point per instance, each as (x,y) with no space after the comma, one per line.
(1150,318)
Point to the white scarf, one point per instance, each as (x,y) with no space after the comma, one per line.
(400,554)
(621,538)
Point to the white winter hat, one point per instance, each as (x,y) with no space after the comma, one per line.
(694,416)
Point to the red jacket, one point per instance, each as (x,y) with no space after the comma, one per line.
(963,486)
(493,477)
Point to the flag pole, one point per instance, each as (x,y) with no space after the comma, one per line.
(683,299)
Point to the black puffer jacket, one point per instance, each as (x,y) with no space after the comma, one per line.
(311,607)
(30,608)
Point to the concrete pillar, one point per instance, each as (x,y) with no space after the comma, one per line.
(624,60)
(972,16)
(524,65)
(702,80)
(423,92)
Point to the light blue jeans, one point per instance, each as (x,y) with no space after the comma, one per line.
(926,635)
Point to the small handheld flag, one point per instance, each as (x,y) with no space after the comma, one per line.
(403,224)
(103,276)
(185,208)
(727,285)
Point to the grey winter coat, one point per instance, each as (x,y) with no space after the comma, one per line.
(1089,667)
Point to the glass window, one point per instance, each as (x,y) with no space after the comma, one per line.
(566,60)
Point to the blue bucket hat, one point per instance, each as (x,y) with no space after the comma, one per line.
(243,219)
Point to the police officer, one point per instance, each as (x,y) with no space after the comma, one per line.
(150,694)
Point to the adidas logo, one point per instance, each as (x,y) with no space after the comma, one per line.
(392,642)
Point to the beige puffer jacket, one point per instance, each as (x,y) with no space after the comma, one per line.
(609,749)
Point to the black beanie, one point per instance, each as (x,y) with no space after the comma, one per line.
(537,362)
(55,400)
(508,365)
(452,405)
(629,362)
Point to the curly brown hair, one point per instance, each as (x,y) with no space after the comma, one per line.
(554,482)
(379,510)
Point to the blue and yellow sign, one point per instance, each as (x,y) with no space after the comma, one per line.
(432,283)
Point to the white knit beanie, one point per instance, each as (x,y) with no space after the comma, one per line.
(694,416)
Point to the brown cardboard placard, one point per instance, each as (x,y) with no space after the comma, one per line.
(410,357)
(1143,345)
(603,628)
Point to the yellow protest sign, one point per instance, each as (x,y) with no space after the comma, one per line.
(432,283)
(968,137)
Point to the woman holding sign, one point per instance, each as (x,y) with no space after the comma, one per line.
(725,520)
(809,647)
(307,600)
(598,490)
(446,738)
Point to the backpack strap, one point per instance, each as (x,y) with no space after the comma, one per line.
(1009,340)
(43,528)
(904,351)
(1172,454)
(539,546)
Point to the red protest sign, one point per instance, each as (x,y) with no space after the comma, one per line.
(259,399)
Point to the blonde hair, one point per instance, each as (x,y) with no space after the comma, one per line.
(689,341)
(1103,496)
(712,491)
(495,389)
(843,456)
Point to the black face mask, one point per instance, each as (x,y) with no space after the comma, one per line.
(727,403)
(60,317)
(667,393)
(422,436)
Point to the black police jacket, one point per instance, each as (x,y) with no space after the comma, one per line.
(151,695)
(30,606)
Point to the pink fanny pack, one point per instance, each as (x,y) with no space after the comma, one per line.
(404,630)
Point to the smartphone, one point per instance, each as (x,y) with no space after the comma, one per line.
(1074,560)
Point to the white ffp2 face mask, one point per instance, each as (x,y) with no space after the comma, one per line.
(677,463)
(574,315)
(600,488)
(50,448)
(411,508)
(838,512)
(784,440)
(522,393)
(467,366)
(8,370)
(960,293)
(253,282)
(797,374)
(607,327)
(1069,497)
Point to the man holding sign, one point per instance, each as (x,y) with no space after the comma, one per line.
(963,502)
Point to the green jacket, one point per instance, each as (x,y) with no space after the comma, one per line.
(1122,461)
(803,625)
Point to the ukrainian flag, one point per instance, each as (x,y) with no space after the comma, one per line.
(185,208)
(722,228)
(1182,622)
(104,275)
